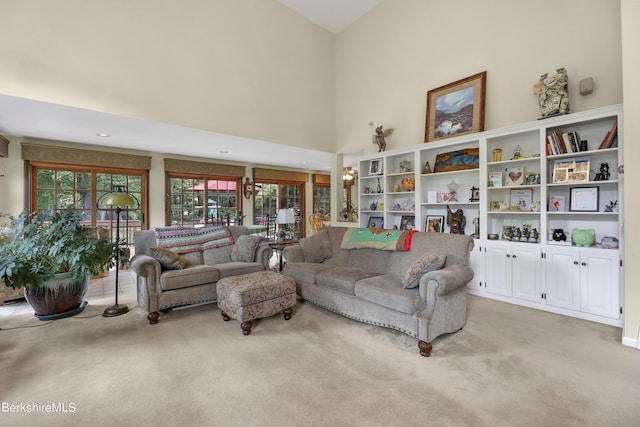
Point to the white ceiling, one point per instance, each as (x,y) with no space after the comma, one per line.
(332,15)
(36,119)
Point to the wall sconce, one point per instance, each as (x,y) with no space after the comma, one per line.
(247,188)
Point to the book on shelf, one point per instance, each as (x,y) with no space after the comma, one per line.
(575,144)
(607,141)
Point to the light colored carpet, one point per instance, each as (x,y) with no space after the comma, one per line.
(509,366)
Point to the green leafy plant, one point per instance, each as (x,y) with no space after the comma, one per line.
(46,243)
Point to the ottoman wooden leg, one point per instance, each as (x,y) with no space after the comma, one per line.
(246,327)
(225,317)
(287,313)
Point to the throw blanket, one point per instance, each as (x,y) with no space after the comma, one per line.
(182,240)
(377,238)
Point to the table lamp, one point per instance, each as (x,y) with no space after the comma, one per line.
(284,217)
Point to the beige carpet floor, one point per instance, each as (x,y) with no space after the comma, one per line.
(509,366)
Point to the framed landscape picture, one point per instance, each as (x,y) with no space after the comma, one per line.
(456,108)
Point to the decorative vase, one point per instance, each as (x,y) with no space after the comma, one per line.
(61,296)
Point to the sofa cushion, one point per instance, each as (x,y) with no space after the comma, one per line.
(430,261)
(317,247)
(244,250)
(192,275)
(388,291)
(304,272)
(168,260)
(342,279)
(236,268)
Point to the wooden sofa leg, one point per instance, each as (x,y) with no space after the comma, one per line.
(153,317)
(425,348)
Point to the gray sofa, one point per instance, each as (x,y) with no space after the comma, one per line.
(160,289)
(369,285)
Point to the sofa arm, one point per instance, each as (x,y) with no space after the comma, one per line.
(447,279)
(441,282)
(149,268)
(263,255)
(293,253)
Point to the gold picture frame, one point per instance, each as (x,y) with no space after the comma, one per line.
(456,108)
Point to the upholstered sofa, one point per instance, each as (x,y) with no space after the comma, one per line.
(420,291)
(177,266)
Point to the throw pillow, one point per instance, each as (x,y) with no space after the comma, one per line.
(244,250)
(315,246)
(168,260)
(430,261)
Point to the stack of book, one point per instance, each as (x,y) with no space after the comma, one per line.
(561,143)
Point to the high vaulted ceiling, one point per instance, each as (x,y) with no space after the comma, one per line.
(36,119)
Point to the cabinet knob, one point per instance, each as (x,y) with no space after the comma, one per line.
(584,264)
(508,256)
(575,262)
(513,256)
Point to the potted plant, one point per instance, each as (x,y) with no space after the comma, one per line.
(52,256)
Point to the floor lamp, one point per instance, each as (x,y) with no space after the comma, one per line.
(117,198)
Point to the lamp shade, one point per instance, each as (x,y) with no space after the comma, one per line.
(285,216)
(118,198)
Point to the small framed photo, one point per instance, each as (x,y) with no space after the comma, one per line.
(560,175)
(583,199)
(435,224)
(521,200)
(578,176)
(408,222)
(495,179)
(514,177)
(375,222)
(556,204)
(375,167)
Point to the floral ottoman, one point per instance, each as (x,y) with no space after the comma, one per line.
(255,295)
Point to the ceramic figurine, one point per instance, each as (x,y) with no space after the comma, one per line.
(583,237)
(558,235)
(553,94)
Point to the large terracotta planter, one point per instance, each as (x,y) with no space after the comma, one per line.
(60,296)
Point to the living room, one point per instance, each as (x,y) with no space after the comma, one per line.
(265,73)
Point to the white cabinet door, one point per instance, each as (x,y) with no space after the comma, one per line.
(526,272)
(600,283)
(498,269)
(562,278)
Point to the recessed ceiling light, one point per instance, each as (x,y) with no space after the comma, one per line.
(304,162)
(103,135)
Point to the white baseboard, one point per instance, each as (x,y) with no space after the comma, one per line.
(630,342)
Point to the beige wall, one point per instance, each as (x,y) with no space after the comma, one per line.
(389,59)
(631,71)
(250,68)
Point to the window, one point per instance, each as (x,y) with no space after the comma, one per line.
(198,200)
(69,187)
(322,194)
(270,197)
